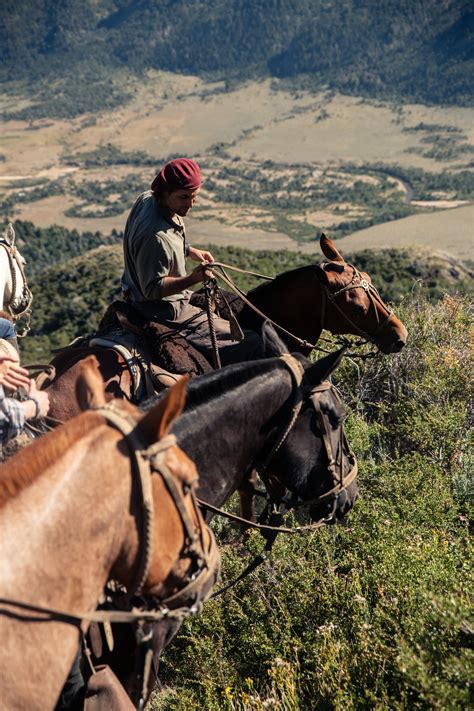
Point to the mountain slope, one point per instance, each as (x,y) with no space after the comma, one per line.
(412,48)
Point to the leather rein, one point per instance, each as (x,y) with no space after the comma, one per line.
(368,287)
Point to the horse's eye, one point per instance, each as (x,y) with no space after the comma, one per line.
(359,309)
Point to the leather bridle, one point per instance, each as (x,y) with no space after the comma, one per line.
(374,298)
(342,481)
(145,463)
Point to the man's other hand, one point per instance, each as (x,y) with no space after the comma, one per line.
(199,272)
(199,255)
(12,375)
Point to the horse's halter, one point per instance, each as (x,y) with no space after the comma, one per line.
(204,564)
(342,482)
(374,298)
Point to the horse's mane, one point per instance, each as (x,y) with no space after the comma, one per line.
(280,280)
(32,461)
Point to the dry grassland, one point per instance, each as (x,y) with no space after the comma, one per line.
(449,231)
(183,115)
(354,131)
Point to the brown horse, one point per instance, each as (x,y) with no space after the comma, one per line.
(332,295)
(72,515)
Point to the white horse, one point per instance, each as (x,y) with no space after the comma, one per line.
(15,296)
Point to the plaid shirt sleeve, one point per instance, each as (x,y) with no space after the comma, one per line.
(12,417)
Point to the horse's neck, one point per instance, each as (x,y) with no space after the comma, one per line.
(60,536)
(293,301)
(225,434)
(9,292)
(5,278)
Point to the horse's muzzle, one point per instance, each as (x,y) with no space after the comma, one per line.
(394,341)
(336,508)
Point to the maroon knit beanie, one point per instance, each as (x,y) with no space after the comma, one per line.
(179,174)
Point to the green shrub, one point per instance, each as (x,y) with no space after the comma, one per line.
(371,614)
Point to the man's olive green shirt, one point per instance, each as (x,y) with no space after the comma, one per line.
(154,247)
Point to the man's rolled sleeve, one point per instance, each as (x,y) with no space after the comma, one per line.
(12,417)
(153,263)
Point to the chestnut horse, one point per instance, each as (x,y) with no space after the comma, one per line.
(73,514)
(332,295)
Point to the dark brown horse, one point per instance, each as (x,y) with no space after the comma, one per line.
(74,511)
(332,295)
(256,415)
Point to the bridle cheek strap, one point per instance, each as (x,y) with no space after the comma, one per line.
(144,463)
(374,298)
(342,482)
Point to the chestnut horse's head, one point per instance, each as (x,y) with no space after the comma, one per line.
(168,544)
(353,304)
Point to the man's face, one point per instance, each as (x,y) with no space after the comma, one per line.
(179,202)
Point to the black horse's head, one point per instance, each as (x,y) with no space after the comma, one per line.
(315,463)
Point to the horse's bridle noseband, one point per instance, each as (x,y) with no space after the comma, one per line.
(374,298)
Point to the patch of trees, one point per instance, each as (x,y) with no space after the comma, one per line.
(108,154)
(44,247)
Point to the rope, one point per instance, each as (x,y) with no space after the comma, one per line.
(210,301)
(260,526)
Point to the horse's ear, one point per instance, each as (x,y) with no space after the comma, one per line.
(322,369)
(329,250)
(273,346)
(89,385)
(158,421)
(321,274)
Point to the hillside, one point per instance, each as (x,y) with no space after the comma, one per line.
(419,49)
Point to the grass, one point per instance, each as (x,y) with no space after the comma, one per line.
(373,614)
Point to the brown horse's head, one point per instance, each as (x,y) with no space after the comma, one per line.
(353,304)
(180,541)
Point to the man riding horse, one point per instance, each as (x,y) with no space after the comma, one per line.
(155,281)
